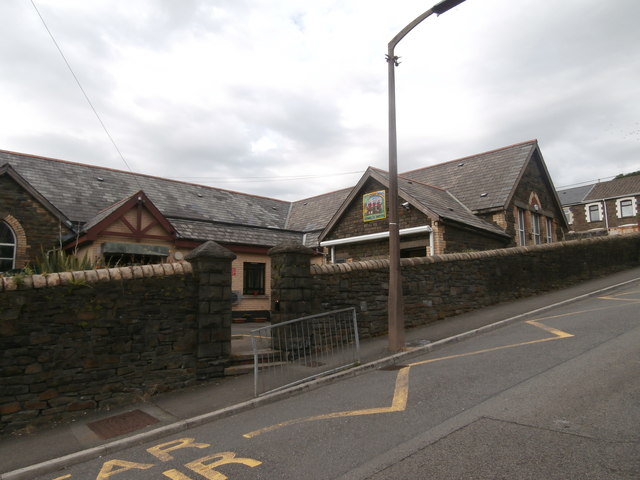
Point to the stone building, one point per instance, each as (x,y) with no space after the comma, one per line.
(495,199)
(604,208)
(491,200)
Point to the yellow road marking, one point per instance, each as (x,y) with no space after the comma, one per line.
(398,404)
(558,335)
(628,300)
(401,391)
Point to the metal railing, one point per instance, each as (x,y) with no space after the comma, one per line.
(293,352)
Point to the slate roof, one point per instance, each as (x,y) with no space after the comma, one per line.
(616,188)
(239,234)
(444,204)
(104,214)
(314,213)
(494,173)
(80,191)
(572,196)
(453,190)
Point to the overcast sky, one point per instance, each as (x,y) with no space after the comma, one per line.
(288,98)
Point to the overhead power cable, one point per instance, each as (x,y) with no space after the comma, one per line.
(104,127)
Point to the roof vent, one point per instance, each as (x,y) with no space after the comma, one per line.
(483,195)
(274,208)
(200,195)
(461,164)
(100,179)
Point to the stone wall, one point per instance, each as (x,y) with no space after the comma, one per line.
(441,286)
(460,240)
(80,341)
(35,227)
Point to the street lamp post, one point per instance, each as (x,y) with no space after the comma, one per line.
(395,305)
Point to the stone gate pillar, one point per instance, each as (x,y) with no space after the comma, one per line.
(291,284)
(211,265)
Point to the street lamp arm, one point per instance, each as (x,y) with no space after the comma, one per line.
(440,8)
(395,40)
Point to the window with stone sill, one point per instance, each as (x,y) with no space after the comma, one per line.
(626,207)
(593,212)
(7,248)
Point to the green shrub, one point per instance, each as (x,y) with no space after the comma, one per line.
(60,261)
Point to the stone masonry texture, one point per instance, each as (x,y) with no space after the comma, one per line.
(445,285)
(72,342)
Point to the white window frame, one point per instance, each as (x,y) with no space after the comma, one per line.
(634,210)
(535,228)
(14,245)
(522,236)
(587,210)
(549,230)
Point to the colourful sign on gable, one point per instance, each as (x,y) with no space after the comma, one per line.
(374,206)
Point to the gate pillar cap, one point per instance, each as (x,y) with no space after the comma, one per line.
(210,249)
(291,248)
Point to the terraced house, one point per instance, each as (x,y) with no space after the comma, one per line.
(603,208)
(495,199)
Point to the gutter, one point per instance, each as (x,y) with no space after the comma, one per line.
(377,236)
(374,236)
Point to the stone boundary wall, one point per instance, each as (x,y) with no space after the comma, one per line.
(445,285)
(78,341)
(27,282)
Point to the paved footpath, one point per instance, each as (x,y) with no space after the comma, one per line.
(36,453)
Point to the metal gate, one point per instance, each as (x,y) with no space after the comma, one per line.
(299,350)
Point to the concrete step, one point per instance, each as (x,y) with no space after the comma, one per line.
(242,362)
(243,369)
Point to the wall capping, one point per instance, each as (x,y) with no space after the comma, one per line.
(29,282)
(453,257)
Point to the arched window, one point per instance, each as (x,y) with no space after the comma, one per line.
(7,248)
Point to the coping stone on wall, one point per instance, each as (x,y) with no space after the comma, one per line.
(157,270)
(147,271)
(449,257)
(39,281)
(137,271)
(127,273)
(53,279)
(28,282)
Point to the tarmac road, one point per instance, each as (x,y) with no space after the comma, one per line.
(553,395)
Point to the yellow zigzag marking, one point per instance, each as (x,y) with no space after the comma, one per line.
(628,300)
(398,404)
(401,392)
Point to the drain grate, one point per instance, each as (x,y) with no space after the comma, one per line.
(120,424)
